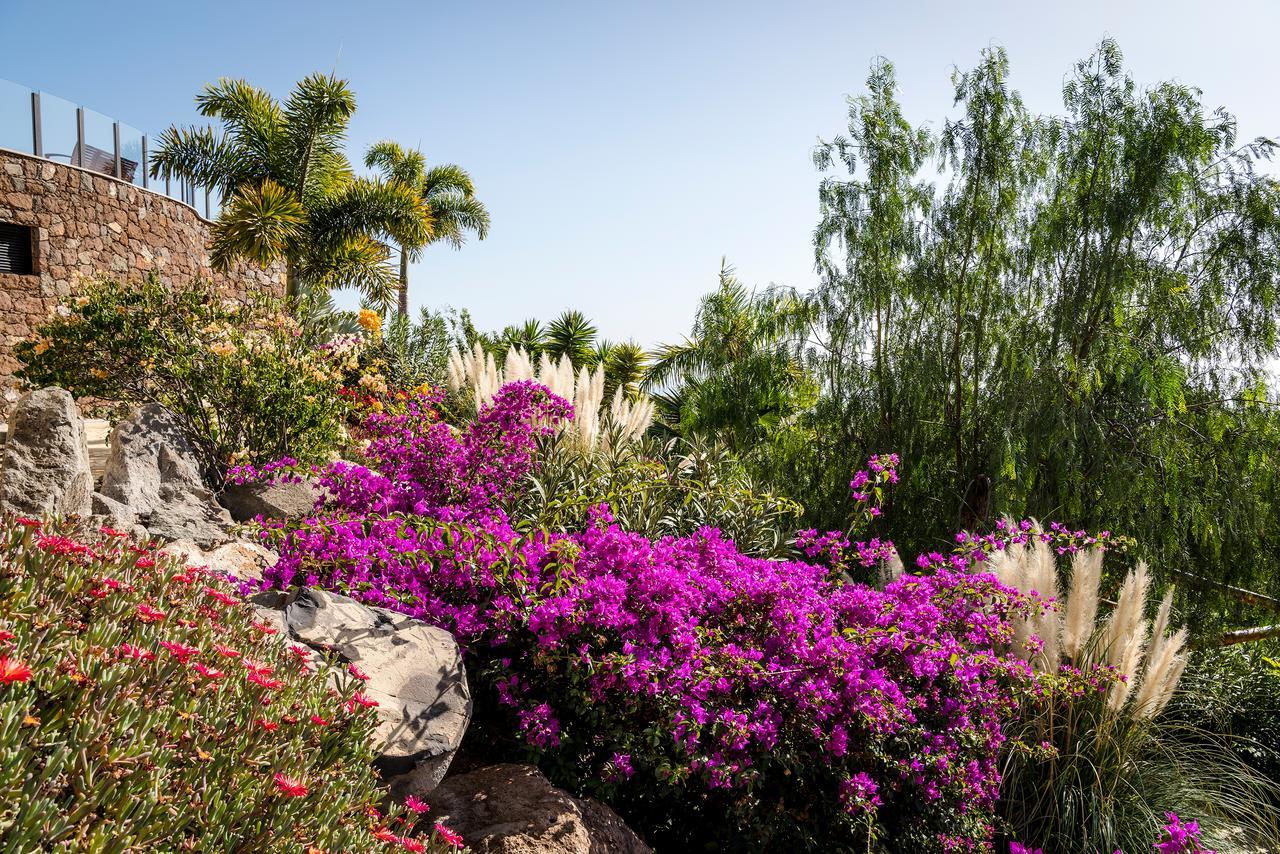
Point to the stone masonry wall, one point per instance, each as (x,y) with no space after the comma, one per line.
(92,226)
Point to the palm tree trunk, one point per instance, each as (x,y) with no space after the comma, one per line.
(404,282)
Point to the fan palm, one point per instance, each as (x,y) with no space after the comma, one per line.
(446,191)
(288,189)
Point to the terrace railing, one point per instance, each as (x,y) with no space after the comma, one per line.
(44,125)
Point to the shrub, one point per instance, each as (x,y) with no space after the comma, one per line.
(143,708)
(711,696)
(247,380)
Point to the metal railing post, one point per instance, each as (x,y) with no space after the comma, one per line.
(146,163)
(115,137)
(79,158)
(206,202)
(37,138)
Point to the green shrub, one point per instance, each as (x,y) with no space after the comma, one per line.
(657,489)
(249,381)
(141,708)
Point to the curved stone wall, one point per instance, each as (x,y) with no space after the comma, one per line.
(89,226)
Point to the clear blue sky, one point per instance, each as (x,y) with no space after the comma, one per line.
(622,148)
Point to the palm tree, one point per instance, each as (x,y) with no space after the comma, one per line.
(624,367)
(288,189)
(571,335)
(739,369)
(445,190)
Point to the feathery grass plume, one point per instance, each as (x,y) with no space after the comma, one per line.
(1126,633)
(1165,664)
(1081,608)
(1012,567)
(1042,578)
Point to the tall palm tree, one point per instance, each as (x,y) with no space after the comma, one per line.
(288,189)
(446,191)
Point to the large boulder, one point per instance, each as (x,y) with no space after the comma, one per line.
(153,470)
(415,673)
(45,468)
(514,809)
(286,500)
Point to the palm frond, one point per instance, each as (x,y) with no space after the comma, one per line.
(259,224)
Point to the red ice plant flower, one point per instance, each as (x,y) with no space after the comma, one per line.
(148,614)
(12,670)
(291,787)
(448,836)
(181,651)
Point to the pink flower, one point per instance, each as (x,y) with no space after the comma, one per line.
(180,651)
(266,725)
(447,836)
(208,672)
(414,805)
(128,650)
(291,787)
(148,614)
(357,672)
(224,650)
(300,651)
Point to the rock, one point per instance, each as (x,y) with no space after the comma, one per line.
(117,515)
(239,558)
(271,501)
(514,809)
(153,469)
(415,673)
(45,470)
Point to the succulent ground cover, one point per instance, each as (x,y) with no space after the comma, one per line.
(142,707)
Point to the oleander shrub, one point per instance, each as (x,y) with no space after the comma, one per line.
(143,708)
(713,697)
(248,380)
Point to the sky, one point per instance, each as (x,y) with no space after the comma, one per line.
(623,149)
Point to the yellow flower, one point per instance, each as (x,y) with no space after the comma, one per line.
(222,348)
(371,321)
(42,345)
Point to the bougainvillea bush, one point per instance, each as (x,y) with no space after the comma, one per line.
(248,380)
(142,708)
(709,695)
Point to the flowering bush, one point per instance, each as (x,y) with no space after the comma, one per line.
(247,380)
(143,708)
(702,691)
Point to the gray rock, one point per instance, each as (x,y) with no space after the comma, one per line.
(153,469)
(514,809)
(415,673)
(271,501)
(242,559)
(45,469)
(117,515)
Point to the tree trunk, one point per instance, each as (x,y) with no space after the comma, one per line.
(293,282)
(404,283)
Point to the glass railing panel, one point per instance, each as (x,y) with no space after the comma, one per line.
(15,117)
(58,128)
(131,164)
(99,151)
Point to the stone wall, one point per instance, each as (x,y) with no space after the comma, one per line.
(90,226)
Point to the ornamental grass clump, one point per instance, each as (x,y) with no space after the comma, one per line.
(1096,766)
(144,708)
(714,698)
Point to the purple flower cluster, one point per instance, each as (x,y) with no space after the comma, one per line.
(679,661)
(1180,837)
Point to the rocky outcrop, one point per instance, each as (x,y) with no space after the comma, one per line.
(45,469)
(514,809)
(153,470)
(415,674)
(271,500)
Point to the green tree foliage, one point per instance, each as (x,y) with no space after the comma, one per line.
(739,371)
(288,190)
(1073,322)
(448,194)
